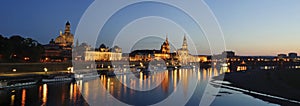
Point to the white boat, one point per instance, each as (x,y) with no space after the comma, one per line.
(86,76)
(17,83)
(57,79)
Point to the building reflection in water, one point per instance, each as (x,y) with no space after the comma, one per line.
(199,74)
(71,91)
(86,89)
(45,93)
(12,99)
(175,79)
(204,74)
(23,101)
(165,82)
(215,72)
(184,79)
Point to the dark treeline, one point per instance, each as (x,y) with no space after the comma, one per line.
(19,49)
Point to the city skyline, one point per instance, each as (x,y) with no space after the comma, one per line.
(250,27)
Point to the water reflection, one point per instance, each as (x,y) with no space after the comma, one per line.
(70,93)
(45,92)
(12,99)
(108,88)
(23,97)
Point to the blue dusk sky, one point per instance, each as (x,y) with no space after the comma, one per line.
(250,27)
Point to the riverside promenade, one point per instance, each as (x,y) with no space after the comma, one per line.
(31,70)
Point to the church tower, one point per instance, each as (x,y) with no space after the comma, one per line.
(184,44)
(68,28)
(183,53)
(165,47)
(66,38)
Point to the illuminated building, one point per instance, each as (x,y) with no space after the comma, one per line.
(183,54)
(202,58)
(148,55)
(66,38)
(79,50)
(60,49)
(142,55)
(165,47)
(103,53)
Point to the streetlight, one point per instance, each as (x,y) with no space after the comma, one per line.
(46,70)
(14,70)
(70,69)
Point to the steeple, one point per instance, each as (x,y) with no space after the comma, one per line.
(165,47)
(68,27)
(184,44)
(77,43)
(167,39)
(68,23)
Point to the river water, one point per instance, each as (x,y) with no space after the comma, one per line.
(175,87)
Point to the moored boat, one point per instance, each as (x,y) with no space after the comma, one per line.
(57,79)
(86,76)
(17,83)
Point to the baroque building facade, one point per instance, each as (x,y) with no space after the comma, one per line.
(183,55)
(103,53)
(60,49)
(148,55)
(66,38)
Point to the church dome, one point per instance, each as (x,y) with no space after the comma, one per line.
(60,39)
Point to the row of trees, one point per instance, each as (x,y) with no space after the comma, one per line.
(19,49)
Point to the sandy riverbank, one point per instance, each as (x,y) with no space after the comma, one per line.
(284,83)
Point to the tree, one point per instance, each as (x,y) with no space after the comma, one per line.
(19,49)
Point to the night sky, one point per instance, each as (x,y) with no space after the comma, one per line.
(39,19)
(252,27)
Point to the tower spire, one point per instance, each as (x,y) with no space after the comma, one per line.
(184,44)
(77,43)
(68,27)
(167,38)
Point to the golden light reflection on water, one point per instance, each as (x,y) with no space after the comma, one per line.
(80,85)
(107,85)
(141,80)
(185,82)
(125,90)
(165,82)
(210,72)
(215,72)
(86,89)
(111,84)
(204,74)
(40,91)
(199,74)
(71,91)
(12,100)
(169,82)
(23,101)
(45,93)
(75,93)
(175,79)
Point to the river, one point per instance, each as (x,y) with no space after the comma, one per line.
(173,87)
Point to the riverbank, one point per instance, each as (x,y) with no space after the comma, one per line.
(6,68)
(282,83)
